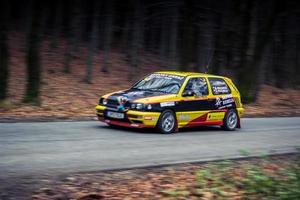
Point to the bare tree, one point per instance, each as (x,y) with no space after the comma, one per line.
(4,53)
(26,20)
(33,60)
(137,36)
(108,34)
(57,24)
(93,41)
(72,35)
(205,41)
(248,74)
(163,42)
(174,15)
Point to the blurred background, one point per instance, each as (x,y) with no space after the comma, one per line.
(57,57)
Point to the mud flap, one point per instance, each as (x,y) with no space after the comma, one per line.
(239,123)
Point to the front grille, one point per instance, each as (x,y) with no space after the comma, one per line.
(112,103)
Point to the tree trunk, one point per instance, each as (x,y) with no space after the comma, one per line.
(163,43)
(137,37)
(281,69)
(32,94)
(248,75)
(205,42)
(126,35)
(108,33)
(93,43)
(71,36)
(26,23)
(4,52)
(173,52)
(296,74)
(57,24)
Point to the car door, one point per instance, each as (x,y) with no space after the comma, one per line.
(220,97)
(194,104)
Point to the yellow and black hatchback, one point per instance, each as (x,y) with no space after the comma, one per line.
(169,100)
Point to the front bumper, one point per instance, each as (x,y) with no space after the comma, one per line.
(133,118)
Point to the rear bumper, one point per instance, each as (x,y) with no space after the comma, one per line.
(133,119)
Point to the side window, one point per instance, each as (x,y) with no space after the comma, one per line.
(219,86)
(198,86)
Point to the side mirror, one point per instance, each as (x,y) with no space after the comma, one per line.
(188,93)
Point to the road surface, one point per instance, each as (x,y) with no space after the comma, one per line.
(62,147)
(31,152)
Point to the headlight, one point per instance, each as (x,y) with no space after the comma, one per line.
(133,106)
(103,101)
(137,106)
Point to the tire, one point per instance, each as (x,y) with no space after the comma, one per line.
(167,122)
(230,121)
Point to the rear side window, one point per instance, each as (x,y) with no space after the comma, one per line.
(219,86)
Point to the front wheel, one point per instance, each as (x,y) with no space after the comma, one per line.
(230,120)
(167,122)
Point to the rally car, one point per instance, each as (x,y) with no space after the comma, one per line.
(170,100)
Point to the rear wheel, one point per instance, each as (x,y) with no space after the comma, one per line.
(167,122)
(230,120)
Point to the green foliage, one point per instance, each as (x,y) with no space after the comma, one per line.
(261,184)
(244,152)
(256,183)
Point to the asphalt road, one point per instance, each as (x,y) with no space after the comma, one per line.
(63,147)
(33,153)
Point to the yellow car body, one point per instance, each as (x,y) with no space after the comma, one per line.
(192,102)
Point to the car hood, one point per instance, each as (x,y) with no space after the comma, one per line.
(140,96)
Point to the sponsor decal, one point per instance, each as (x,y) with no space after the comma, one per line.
(149,118)
(220,89)
(224,102)
(166,104)
(215,116)
(135,93)
(122,100)
(184,117)
(168,76)
(219,86)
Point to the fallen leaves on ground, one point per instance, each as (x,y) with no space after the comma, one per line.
(212,180)
(67,96)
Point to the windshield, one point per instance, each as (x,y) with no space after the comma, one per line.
(165,83)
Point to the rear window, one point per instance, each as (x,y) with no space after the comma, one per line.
(219,86)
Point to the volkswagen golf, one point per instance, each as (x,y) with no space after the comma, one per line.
(170,100)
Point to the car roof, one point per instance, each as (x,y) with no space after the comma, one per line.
(185,74)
